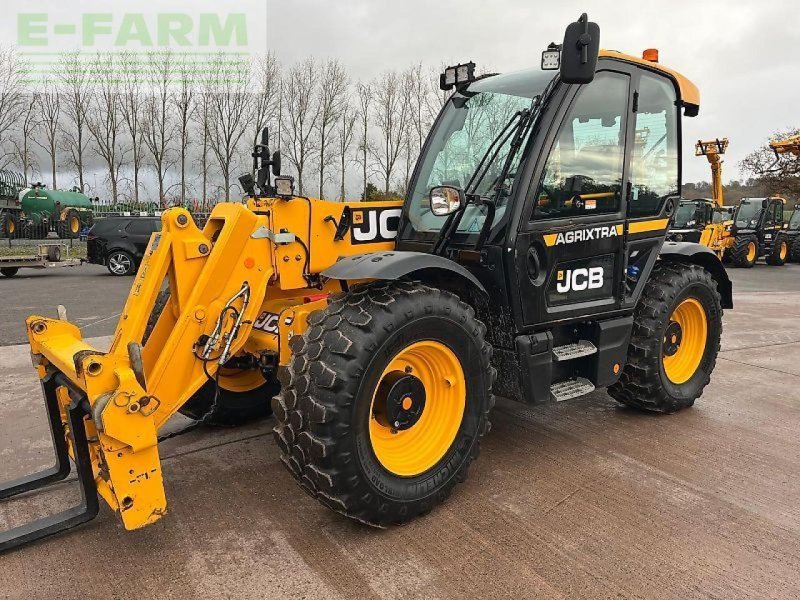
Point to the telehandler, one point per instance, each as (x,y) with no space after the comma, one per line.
(789,147)
(528,260)
(706,220)
(760,229)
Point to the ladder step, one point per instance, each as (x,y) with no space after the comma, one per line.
(571,388)
(576,350)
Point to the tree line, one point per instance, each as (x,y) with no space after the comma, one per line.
(162,127)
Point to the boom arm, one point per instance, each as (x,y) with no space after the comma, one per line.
(713,150)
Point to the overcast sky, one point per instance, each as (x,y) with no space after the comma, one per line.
(742,54)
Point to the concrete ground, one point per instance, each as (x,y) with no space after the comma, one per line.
(582,499)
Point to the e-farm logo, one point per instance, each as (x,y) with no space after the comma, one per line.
(166,30)
(210,37)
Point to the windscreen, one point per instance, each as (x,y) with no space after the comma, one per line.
(748,213)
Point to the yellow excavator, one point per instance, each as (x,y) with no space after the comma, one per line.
(706,220)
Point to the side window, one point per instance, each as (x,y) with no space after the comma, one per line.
(155,225)
(583,173)
(139,227)
(654,160)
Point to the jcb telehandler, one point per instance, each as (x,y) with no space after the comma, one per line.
(760,229)
(789,147)
(528,260)
(706,221)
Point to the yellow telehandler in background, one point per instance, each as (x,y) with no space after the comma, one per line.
(706,220)
(381,331)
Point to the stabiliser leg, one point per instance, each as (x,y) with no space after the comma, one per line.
(87,509)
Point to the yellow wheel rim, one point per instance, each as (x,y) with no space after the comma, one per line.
(784,250)
(12,227)
(236,380)
(751,252)
(685,341)
(74,225)
(418,448)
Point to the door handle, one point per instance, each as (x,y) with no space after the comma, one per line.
(534,266)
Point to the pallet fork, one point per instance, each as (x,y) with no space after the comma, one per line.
(88,507)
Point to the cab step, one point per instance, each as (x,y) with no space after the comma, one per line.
(571,351)
(571,388)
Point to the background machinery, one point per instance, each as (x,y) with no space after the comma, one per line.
(381,331)
(789,146)
(33,212)
(706,220)
(760,229)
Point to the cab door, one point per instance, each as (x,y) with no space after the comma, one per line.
(570,247)
(602,200)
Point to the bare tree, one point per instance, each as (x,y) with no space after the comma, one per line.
(12,97)
(228,119)
(332,100)
(157,124)
(106,123)
(345,133)
(365,96)
(132,109)
(300,117)
(47,140)
(391,113)
(77,98)
(200,116)
(27,124)
(183,100)
(777,174)
(267,85)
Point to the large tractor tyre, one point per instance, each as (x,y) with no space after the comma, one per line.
(244,396)
(70,226)
(120,263)
(745,251)
(675,340)
(232,408)
(780,252)
(794,251)
(9,227)
(385,400)
(9,271)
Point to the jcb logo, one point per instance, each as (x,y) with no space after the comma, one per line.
(372,225)
(267,322)
(579,280)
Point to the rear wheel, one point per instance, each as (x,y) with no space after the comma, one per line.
(794,253)
(9,227)
(9,271)
(745,251)
(385,400)
(120,263)
(70,226)
(675,340)
(780,252)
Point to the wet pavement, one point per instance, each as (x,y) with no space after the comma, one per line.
(582,499)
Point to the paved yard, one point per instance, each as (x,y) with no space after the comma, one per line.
(582,499)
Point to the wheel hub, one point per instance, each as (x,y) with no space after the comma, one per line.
(399,401)
(672,338)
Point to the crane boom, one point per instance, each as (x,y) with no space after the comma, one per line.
(713,150)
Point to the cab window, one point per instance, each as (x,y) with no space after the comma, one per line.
(583,173)
(654,159)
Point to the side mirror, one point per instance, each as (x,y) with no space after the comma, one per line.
(446,199)
(579,51)
(764,203)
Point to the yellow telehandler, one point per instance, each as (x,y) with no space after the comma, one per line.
(527,260)
(706,220)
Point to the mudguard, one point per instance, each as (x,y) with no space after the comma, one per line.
(703,256)
(394,265)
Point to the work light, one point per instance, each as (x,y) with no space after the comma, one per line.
(551,58)
(284,186)
(457,75)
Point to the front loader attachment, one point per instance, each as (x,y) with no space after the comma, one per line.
(105,408)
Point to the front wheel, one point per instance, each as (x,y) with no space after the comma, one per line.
(120,263)
(744,252)
(70,227)
(385,400)
(675,340)
(9,271)
(243,396)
